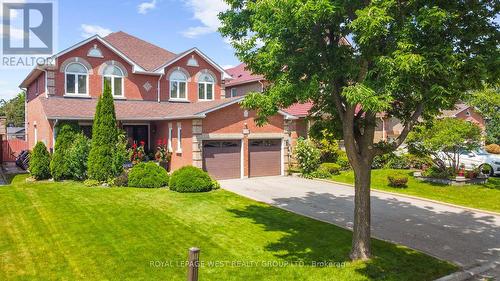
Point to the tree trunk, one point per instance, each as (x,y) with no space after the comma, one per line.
(361,231)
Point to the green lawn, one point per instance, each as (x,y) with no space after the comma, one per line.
(67,231)
(486,197)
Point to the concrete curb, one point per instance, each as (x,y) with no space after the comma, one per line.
(466,274)
(417,198)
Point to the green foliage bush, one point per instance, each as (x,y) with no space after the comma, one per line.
(397,180)
(319,174)
(78,156)
(343,161)
(190,179)
(39,164)
(398,162)
(102,164)
(91,183)
(215,184)
(439,173)
(307,155)
(331,168)
(147,175)
(59,165)
(120,180)
(328,146)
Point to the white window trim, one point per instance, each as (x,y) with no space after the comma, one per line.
(122,96)
(76,94)
(205,87)
(179,138)
(170,132)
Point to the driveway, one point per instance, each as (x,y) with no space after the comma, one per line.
(462,236)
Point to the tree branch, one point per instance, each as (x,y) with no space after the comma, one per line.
(409,126)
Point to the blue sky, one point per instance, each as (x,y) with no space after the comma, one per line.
(175,25)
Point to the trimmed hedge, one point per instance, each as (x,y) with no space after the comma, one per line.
(493,148)
(147,175)
(397,180)
(39,165)
(191,179)
(331,168)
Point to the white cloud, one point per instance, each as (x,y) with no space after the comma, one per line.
(144,7)
(89,30)
(206,11)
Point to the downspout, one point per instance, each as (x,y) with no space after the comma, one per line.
(159,88)
(54,136)
(46,88)
(25,90)
(261,86)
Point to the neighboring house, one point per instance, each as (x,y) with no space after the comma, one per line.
(16,133)
(390,128)
(159,95)
(244,81)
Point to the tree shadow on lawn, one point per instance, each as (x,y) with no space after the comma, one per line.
(311,241)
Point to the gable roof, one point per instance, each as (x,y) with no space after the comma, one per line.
(459,107)
(145,54)
(241,75)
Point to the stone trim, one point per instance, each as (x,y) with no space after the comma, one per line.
(206,71)
(197,141)
(178,68)
(105,64)
(77,60)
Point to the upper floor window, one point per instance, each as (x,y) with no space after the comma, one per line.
(206,87)
(234,92)
(178,85)
(114,76)
(76,79)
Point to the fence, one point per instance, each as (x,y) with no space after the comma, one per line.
(12,148)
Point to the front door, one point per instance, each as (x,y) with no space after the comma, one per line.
(137,134)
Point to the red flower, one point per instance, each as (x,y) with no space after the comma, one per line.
(134,146)
(142,143)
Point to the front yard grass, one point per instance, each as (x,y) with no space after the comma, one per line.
(66,231)
(486,197)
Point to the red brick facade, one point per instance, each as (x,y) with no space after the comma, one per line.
(198,121)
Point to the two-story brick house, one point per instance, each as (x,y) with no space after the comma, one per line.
(158,95)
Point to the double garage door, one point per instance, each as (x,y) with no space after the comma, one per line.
(222,159)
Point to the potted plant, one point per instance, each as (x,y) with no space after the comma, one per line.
(162,155)
(461,171)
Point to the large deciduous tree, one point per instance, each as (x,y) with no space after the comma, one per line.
(409,59)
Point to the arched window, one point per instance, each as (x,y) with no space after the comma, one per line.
(206,87)
(114,76)
(178,85)
(76,79)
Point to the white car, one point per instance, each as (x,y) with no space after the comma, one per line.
(482,159)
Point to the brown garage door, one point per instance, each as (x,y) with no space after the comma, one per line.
(222,159)
(265,158)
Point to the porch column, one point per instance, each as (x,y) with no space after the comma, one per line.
(197,143)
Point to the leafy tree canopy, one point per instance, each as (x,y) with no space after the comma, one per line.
(409,59)
(487,102)
(13,110)
(445,139)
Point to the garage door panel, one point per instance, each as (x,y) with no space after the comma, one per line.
(264,158)
(222,159)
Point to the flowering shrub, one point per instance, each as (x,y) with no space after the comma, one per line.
(308,156)
(137,153)
(162,154)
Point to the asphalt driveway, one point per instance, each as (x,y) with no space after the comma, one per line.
(462,236)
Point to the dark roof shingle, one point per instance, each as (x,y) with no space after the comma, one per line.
(145,54)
